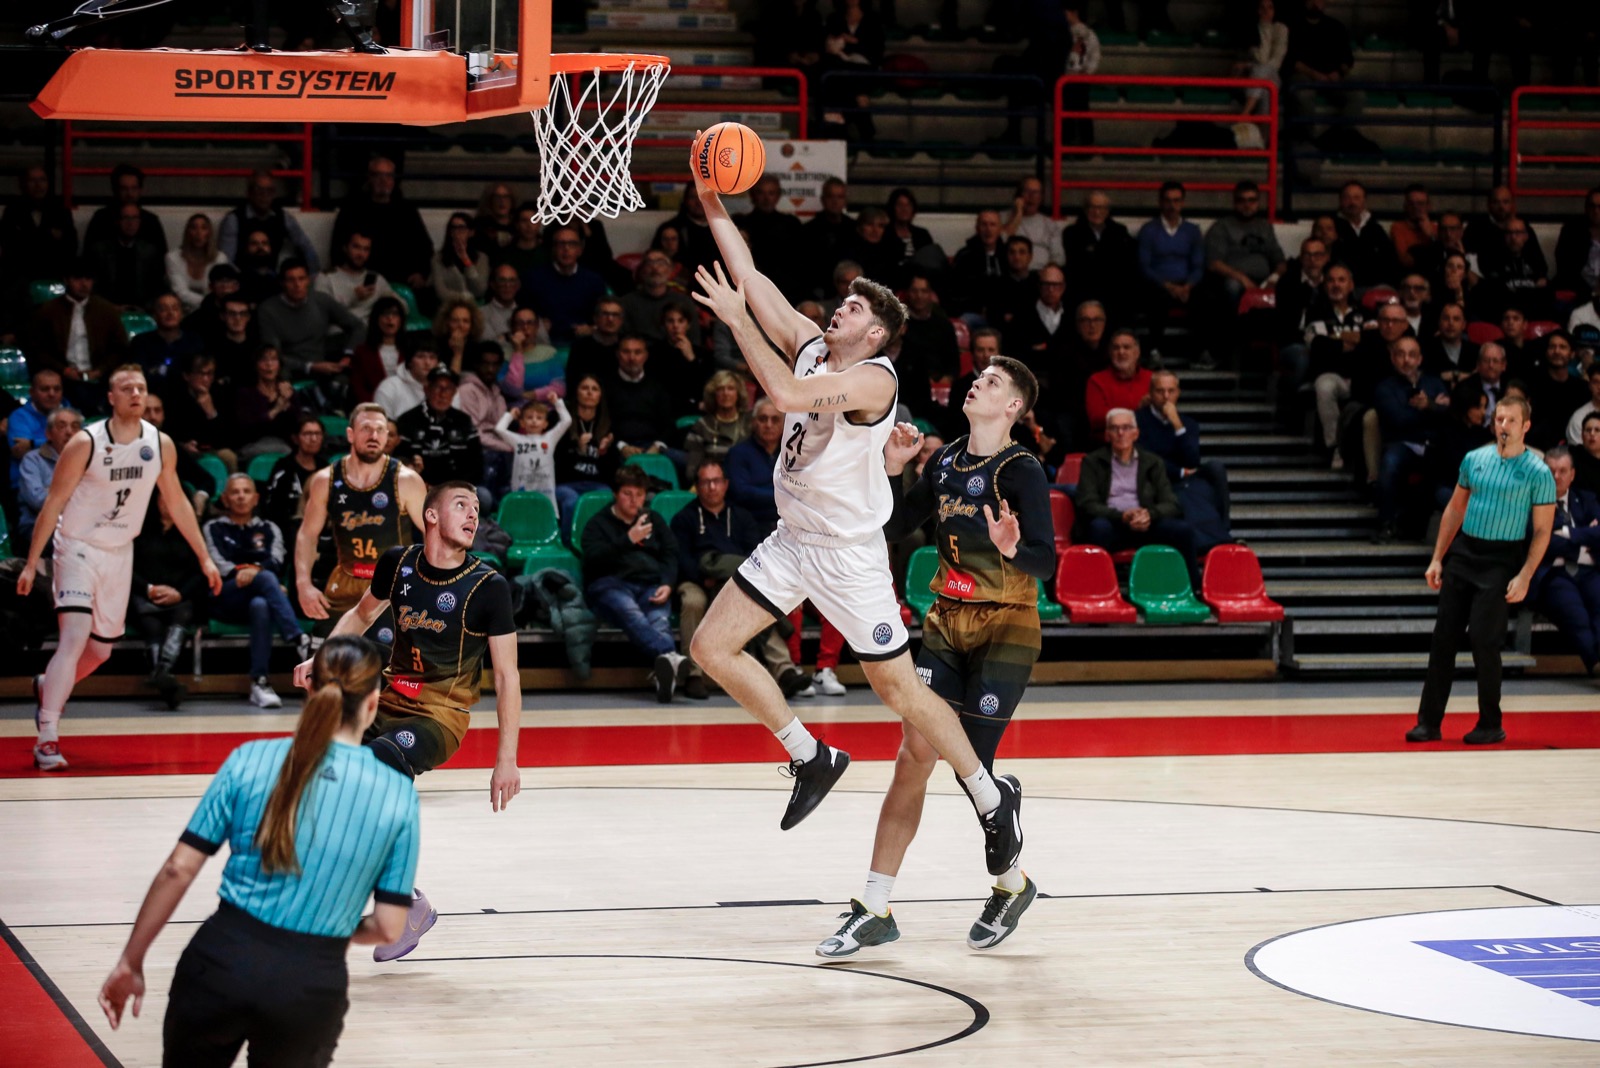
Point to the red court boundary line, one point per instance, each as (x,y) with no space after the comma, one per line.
(738,743)
(40,1028)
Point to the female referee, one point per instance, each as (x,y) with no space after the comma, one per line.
(315,824)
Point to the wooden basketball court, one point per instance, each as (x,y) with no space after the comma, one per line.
(638,905)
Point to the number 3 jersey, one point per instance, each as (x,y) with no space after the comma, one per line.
(829,477)
(366,522)
(108,507)
(443,623)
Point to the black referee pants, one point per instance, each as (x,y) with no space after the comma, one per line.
(1472,598)
(243,981)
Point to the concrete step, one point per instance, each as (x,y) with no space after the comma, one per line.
(1393,663)
(1300,476)
(1410,589)
(1333,549)
(1262,461)
(1323,627)
(1260,537)
(1203,408)
(1289,496)
(1303,513)
(1362,612)
(1350,572)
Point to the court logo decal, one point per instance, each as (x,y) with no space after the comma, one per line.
(989,704)
(882,633)
(446,601)
(380,499)
(1532,971)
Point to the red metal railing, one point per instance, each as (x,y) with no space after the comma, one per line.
(72,132)
(1267,119)
(800,108)
(1519,124)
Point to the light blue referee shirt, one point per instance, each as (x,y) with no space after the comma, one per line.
(356,833)
(1504,492)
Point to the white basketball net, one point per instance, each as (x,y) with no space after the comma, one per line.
(586,145)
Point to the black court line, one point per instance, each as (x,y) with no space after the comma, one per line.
(980,1013)
(879,793)
(1250,963)
(62,1003)
(814,902)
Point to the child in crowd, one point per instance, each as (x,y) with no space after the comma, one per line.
(534,442)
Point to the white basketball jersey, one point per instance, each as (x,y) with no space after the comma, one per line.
(829,478)
(107,509)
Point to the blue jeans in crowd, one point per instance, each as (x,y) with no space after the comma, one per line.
(1395,468)
(627,605)
(567,494)
(261,604)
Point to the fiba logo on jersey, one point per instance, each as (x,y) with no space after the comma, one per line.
(147,454)
(989,704)
(380,500)
(446,601)
(975,485)
(882,633)
(386,636)
(406,739)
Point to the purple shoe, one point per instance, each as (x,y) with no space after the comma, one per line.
(419,921)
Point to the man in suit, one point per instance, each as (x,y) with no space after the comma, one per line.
(1124,498)
(1566,586)
(80,335)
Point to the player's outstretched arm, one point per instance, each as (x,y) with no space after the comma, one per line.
(412,491)
(182,513)
(70,467)
(315,516)
(787,328)
(506,782)
(355,622)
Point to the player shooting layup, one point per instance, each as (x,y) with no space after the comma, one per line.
(980,639)
(100,492)
(838,392)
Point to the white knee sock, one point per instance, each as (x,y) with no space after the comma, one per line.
(801,745)
(876,894)
(981,788)
(1013,880)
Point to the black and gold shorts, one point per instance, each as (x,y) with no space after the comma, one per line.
(978,656)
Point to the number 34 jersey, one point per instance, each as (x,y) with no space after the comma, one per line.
(108,507)
(366,521)
(829,477)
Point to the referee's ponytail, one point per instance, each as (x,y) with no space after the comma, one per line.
(346,671)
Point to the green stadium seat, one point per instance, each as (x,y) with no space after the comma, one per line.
(216,469)
(135,323)
(415,320)
(1049,611)
(1168,39)
(657,466)
(261,466)
(542,557)
(686,421)
(1117,39)
(44,290)
(1215,38)
(1383,99)
(1150,94)
(1376,43)
(1159,585)
(5,537)
(1209,97)
(334,426)
(530,518)
(1104,94)
(588,505)
(669,503)
(920,569)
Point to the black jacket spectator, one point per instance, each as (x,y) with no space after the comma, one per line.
(447,442)
(642,412)
(608,551)
(401,247)
(1368,252)
(1578,249)
(698,531)
(37,236)
(1101,265)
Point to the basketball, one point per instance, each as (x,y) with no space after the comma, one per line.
(730,157)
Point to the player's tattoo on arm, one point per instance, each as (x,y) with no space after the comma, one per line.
(837,398)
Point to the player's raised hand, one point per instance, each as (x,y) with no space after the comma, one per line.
(700,184)
(1003,530)
(720,295)
(905,441)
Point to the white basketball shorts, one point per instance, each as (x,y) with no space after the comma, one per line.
(851,585)
(90,579)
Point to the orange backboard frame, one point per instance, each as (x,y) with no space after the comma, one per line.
(409,86)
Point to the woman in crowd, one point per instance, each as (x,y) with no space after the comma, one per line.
(378,355)
(480,398)
(268,968)
(1455,285)
(903,229)
(725,422)
(189,265)
(459,270)
(682,364)
(494,228)
(455,329)
(535,369)
(586,456)
(266,411)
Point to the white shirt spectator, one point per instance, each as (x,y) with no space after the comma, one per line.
(341,284)
(189,289)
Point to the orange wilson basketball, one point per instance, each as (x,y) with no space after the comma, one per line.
(730,157)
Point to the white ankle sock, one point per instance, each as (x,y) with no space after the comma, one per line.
(49,724)
(1012,880)
(801,745)
(876,894)
(981,788)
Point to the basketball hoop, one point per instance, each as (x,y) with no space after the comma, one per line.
(586,137)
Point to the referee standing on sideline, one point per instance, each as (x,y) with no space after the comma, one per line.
(268,967)
(1488,567)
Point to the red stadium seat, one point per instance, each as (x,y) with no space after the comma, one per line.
(1086,586)
(631,261)
(963,335)
(1258,300)
(1124,557)
(1376,296)
(1541,327)
(1478,333)
(1062,516)
(964,360)
(1232,585)
(1071,468)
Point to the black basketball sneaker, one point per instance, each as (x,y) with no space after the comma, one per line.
(812,781)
